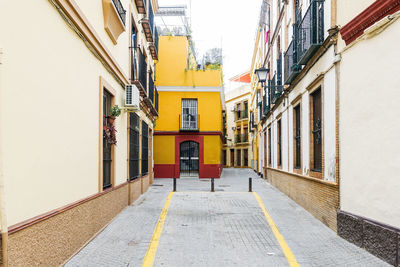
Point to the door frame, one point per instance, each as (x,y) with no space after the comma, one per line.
(182,138)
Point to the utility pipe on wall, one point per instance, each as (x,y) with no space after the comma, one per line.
(3,218)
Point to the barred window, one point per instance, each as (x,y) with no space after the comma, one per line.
(297,137)
(269,147)
(145,148)
(134,135)
(279,143)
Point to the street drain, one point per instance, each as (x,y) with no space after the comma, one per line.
(224,185)
(157,185)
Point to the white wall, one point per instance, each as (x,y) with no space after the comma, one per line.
(370,126)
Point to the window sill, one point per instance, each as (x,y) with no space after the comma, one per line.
(112,22)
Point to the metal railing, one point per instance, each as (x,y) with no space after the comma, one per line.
(241,138)
(310,31)
(241,114)
(156,39)
(189,122)
(142,71)
(275,89)
(120,9)
(266,106)
(156,99)
(151,90)
(151,17)
(291,68)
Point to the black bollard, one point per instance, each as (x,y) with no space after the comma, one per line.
(212,184)
(174,189)
(250,185)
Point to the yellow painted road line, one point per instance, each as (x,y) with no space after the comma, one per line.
(151,251)
(279,237)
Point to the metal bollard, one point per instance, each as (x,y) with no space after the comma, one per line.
(250,185)
(174,187)
(212,184)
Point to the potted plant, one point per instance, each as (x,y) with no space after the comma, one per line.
(109,134)
(115,111)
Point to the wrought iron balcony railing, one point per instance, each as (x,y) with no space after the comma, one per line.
(148,24)
(139,70)
(120,9)
(151,90)
(154,45)
(156,99)
(141,6)
(241,138)
(291,67)
(241,114)
(310,31)
(275,89)
(189,122)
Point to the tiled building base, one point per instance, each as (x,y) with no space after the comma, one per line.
(380,240)
(318,197)
(51,239)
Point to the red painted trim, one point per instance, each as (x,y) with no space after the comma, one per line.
(375,12)
(24,224)
(182,138)
(187,133)
(211,171)
(164,170)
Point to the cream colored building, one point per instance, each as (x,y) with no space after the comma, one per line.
(295,109)
(369,125)
(237,149)
(63,65)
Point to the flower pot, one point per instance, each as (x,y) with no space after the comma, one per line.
(110,119)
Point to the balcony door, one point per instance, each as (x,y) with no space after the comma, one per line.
(107,147)
(189,159)
(189,114)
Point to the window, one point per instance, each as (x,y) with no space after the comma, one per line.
(269,147)
(297,137)
(189,114)
(145,148)
(134,146)
(279,143)
(316,131)
(107,146)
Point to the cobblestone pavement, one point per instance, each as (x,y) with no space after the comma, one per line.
(225,228)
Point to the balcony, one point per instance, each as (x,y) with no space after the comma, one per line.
(150,100)
(148,24)
(291,69)
(189,123)
(241,138)
(139,70)
(241,114)
(154,45)
(310,31)
(156,99)
(120,9)
(141,6)
(275,89)
(114,16)
(266,106)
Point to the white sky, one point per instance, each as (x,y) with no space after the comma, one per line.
(227,23)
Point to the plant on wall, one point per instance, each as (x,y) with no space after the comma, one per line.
(109,132)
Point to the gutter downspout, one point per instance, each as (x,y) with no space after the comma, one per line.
(3,218)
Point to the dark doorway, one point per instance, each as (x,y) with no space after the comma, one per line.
(232,157)
(245,157)
(238,158)
(189,159)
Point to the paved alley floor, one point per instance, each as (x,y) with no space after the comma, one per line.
(226,228)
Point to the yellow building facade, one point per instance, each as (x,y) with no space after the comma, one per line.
(187,137)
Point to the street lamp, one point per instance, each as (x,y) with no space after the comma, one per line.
(262,74)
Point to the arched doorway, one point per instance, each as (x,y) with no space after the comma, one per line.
(189,159)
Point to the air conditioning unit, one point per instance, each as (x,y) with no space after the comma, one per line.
(132,97)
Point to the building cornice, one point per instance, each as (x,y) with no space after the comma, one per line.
(375,12)
(188,89)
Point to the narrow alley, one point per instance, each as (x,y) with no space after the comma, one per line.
(224,228)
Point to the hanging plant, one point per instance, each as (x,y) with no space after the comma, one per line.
(109,134)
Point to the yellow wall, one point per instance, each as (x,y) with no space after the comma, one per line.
(209,109)
(172,68)
(164,152)
(212,145)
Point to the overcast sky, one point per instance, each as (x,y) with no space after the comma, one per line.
(227,23)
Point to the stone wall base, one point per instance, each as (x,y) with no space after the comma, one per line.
(378,239)
(53,238)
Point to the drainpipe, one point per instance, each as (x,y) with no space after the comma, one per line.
(3,219)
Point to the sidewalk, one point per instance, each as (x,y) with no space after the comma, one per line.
(225,228)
